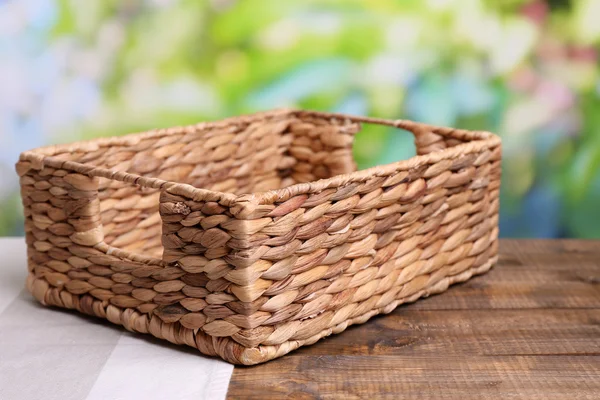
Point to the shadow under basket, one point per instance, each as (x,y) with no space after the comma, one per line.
(252,236)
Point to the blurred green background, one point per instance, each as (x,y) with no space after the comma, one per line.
(527,70)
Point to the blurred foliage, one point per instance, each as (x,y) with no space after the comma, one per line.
(527,70)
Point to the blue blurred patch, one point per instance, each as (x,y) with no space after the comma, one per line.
(431,100)
(538,216)
(310,78)
(471,95)
(355,104)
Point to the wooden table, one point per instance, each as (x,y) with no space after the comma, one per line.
(530,329)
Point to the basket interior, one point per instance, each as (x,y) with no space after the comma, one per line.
(239,157)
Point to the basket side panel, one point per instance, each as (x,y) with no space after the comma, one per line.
(71,267)
(62,225)
(327,258)
(321,148)
(284,274)
(206,239)
(61,213)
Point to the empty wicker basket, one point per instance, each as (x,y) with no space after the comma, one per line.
(270,239)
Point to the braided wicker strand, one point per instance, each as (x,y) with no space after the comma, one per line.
(284,243)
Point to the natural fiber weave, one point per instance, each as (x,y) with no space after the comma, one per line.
(314,247)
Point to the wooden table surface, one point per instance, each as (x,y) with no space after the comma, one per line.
(529,328)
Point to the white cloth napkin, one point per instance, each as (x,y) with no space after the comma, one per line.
(54,354)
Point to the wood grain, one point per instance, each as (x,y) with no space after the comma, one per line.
(528,329)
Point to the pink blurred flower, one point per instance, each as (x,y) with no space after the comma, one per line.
(584,53)
(555,94)
(523,79)
(536,11)
(551,48)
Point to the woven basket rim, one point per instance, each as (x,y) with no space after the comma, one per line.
(46,156)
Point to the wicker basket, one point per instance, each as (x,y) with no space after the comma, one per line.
(314,248)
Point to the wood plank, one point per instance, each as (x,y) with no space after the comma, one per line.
(530,329)
(464,332)
(534,290)
(420,377)
(547,246)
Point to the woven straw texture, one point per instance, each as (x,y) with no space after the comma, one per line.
(252,236)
